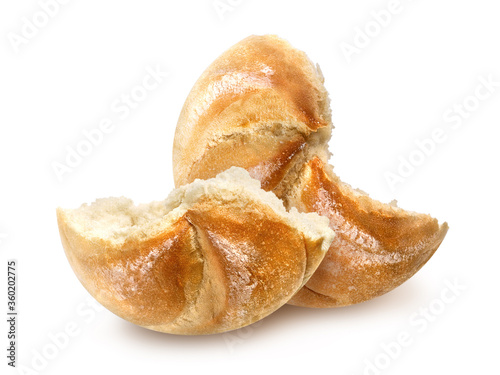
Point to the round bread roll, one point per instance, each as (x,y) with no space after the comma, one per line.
(262,106)
(214,256)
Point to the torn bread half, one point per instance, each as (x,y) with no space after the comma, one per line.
(216,255)
(377,246)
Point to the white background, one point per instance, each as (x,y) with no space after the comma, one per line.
(427,59)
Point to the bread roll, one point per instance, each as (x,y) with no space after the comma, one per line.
(214,256)
(262,106)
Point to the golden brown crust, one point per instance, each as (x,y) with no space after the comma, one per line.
(377,246)
(267,160)
(226,262)
(258,273)
(260,83)
(262,106)
(305,297)
(138,280)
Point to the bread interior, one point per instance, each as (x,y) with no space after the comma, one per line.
(116,220)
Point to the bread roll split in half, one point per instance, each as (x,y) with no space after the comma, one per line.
(216,255)
(262,106)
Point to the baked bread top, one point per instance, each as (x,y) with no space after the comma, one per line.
(214,256)
(259,102)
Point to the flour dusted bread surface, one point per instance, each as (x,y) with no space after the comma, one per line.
(378,246)
(262,106)
(259,103)
(214,256)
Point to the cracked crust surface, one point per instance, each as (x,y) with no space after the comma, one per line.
(377,247)
(216,255)
(258,102)
(262,106)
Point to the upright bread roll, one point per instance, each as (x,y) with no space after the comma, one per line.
(216,255)
(262,106)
